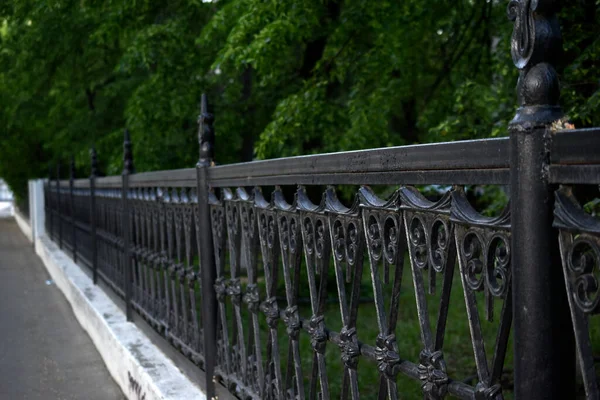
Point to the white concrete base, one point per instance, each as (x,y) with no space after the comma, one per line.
(24,225)
(6,209)
(141,370)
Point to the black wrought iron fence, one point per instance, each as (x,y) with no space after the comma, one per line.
(239,274)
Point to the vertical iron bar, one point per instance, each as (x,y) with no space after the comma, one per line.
(72,207)
(543,336)
(206,139)
(93,175)
(128,169)
(58,206)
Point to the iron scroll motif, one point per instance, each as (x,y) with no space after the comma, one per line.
(523,37)
(579,241)
(386,247)
(347,241)
(582,261)
(428,232)
(290,246)
(248,261)
(484,260)
(317,251)
(254,361)
(536,45)
(269,247)
(163,198)
(234,291)
(218,229)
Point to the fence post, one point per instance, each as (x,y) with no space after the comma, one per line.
(39,207)
(72,211)
(32,215)
(206,138)
(543,336)
(58,207)
(128,169)
(51,233)
(94,173)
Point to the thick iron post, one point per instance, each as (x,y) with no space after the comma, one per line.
(544,354)
(72,210)
(206,138)
(93,175)
(128,169)
(58,207)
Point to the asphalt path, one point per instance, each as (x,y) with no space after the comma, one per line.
(44,352)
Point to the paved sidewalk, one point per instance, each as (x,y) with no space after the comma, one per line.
(44,352)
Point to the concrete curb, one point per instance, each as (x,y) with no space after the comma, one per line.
(23,225)
(141,370)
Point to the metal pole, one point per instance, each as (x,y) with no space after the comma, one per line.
(59,213)
(32,213)
(543,335)
(128,169)
(72,207)
(206,138)
(50,203)
(93,175)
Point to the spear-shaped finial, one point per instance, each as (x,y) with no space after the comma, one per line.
(72,168)
(128,167)
(94,162)
(206,133)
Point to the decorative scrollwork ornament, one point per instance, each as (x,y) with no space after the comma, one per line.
(349,347)
(220,288)
(292,321)
(318,336)
(536,45)
(271,310)
(432,372)
(387,355)
(234,290)
(251,297)
(582,260)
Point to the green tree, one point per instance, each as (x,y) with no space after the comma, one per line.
(285,77)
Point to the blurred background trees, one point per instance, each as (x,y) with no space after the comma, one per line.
(285,77)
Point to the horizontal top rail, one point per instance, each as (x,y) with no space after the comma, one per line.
(483,161)
(114,181)
(422,163)
(578,146)
(498,176)
(177,177)
(81,183)
(575,157)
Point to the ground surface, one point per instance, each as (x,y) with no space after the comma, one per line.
(44,352)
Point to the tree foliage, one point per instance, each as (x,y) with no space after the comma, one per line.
(285,77)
